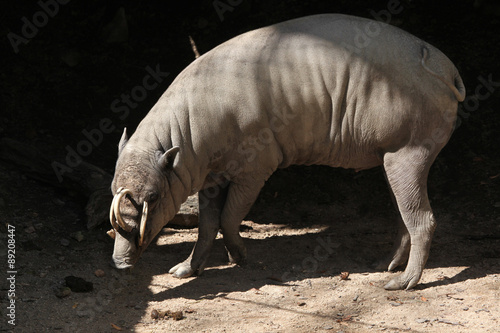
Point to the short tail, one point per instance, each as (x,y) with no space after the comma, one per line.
(457,87)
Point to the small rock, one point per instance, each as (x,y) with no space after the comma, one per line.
(64,242)
(155,314)
(77,236)
(301,303)
(177,315)
(327,328)
(63,292)
(43,274)
(78,284)
(58,202)
(99,273)
(421,320)
(466,309)
(355,299)
(30,229)
(395,303)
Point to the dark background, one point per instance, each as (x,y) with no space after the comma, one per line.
(65,79)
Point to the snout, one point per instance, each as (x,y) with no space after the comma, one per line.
(120,263)
(125,252)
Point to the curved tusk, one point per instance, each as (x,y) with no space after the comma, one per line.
(118,215)
(144,218)
(112,219)
(114,214)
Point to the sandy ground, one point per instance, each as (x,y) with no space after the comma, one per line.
(299,242)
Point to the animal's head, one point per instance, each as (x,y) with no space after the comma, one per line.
(142,203)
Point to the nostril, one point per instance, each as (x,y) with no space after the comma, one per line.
(119,264)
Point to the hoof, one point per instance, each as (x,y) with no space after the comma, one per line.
(393,285)
(400,282)
(239,257)
(182,270)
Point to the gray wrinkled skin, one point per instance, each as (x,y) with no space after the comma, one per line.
(328,89)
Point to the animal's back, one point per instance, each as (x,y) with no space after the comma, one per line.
(325,89)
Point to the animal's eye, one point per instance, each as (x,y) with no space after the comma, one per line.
(153,197)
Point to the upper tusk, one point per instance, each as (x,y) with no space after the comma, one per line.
(118,215)
(112,219)
(144,219)
(114,214)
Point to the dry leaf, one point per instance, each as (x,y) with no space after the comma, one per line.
(344,319)
(344,275)
(116,327)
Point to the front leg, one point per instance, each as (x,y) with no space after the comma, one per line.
(211,203)
(239,200)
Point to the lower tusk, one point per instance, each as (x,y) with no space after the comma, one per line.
(144,218)
(111,233)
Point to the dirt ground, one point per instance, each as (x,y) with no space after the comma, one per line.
(309,226)
(299,242)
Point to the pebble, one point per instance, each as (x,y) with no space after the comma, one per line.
(77,236)
(421,320)
(63,292)
(64,242)
(78,284)
(395,303)
(58,202)
(30,229)
(99,273)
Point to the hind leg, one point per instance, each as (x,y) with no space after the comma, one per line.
(407,171)
(401,248)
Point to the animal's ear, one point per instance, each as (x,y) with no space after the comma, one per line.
(123,141)
(166,160)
